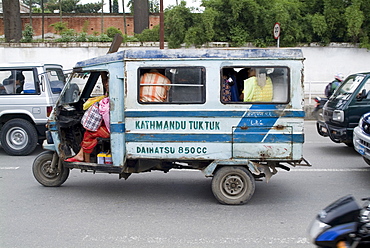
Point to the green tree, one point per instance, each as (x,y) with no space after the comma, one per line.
(115,6)
(354,18)
(202,31)
(178,19)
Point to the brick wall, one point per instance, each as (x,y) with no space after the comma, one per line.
(91,23)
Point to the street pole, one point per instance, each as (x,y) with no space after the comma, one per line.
(161,25)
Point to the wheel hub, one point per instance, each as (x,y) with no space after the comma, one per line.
(233,185)
(17,138)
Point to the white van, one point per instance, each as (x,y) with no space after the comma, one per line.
(28,92)
(207,120)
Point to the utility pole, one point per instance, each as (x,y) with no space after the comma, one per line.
(124,16)
(102,18)
(161,25)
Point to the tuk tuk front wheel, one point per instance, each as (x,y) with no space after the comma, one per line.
(233,185)
(45,174)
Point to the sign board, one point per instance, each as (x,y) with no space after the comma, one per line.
(277,30)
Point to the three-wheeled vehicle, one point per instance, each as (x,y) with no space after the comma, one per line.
(198,125)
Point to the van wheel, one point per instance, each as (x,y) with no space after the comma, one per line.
(45,174)
(18,137)
(233,185)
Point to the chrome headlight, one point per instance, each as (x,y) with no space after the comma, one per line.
(315,229)
(338,115)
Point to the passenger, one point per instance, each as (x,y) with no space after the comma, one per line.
(229,88)
(156,89)
(89,140)
(14,83)
(257,88)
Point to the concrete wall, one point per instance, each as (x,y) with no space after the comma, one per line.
(321,63)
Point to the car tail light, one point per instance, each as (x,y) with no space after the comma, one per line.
(48,110)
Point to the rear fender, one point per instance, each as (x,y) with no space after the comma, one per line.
(255,168)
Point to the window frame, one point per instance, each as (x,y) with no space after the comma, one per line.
(287,90)
(202,70)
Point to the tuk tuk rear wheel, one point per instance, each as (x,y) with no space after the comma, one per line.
(45,174)
(233,185)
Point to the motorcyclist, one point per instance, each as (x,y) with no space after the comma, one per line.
(332,86)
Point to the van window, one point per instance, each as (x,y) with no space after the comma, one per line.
(254,84)
(171,85)
(18,81)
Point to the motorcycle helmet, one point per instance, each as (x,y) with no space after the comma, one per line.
(339,76)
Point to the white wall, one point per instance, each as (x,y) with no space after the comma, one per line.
(321,63)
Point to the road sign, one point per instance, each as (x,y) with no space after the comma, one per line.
(277,30)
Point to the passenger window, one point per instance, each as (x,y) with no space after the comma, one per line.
(17,82)
(172,85)
(254,84)
(57,79)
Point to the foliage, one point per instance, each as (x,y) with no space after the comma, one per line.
(115,6)
(178,20)
(112,31)
(60,27)
(149,35)
(27,33)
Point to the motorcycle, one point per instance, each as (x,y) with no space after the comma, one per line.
(318,110)
(342,224)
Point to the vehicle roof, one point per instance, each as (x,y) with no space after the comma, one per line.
(191,54)
(26,64)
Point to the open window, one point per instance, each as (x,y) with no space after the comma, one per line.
(172,85)
(18,81)
(254,84)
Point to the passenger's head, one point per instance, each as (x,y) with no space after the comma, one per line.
(105,80)
(252,72)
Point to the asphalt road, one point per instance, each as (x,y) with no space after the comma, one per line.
(176,209)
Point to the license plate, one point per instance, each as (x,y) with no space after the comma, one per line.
(324,130)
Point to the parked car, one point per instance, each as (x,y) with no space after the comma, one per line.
(28,92)
(361,137)
(344,108)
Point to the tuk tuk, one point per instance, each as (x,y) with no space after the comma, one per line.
(204,122)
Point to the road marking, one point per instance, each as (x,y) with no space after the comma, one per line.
(9,168)
(335,170)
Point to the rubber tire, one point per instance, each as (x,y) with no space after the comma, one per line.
(72,94)
(40,170)
(233,174)
(18,137)
(366,160)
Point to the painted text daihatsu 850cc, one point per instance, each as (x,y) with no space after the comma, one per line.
(236,115)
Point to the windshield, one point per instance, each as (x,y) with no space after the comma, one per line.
(82,84)
(348,87)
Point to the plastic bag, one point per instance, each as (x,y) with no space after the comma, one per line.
(91,101)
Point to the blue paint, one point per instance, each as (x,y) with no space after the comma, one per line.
(117,128)
(196,54)
(260,113)
(213,138)
(333,233)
